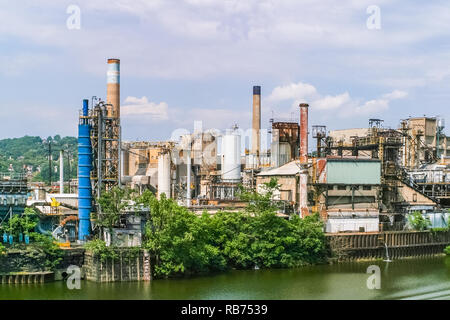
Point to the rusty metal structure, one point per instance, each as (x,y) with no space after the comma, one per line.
(106,141)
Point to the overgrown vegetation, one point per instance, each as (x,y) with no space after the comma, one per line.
(180,242)
(98,247)
(418,222)
(41,248)
(112,203)
(447,251)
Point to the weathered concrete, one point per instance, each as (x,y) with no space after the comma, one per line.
(128,266)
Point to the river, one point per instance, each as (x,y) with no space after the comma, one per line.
(425,278)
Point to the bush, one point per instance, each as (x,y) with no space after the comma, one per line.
(418,222)
(180,242)
(44,244)
(447,251)
(98,247)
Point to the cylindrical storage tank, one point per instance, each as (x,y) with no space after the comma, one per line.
(164,175)
(231,156)
(84,176)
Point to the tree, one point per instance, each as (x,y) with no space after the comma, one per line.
(260,202)
(179,241)
(111,205)
(418,222)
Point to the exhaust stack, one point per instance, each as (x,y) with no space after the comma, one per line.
(113,87)
(304,132)
(256,123)
(303,188)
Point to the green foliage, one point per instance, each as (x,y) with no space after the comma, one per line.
(447,251)
(98,247)
(31,151)
(268,241)
(177,239)
(2,249)
(44,244)
(418,222)
(260,202)
(24,223)
(112,203)
(181,242)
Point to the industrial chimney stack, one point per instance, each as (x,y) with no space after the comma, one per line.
(303,132)
(303,181)
(113,87)
(256,123)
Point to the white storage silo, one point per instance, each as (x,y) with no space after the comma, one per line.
(231,156)
(164,175)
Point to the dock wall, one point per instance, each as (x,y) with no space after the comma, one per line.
(395,244)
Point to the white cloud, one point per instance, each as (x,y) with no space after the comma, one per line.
(340,105)
(332,102)
(134,106)
(396,94)
(297,91)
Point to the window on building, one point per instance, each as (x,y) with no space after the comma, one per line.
(342,187)
(367,188)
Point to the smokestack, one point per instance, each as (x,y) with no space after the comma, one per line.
(303,132)
(113,87)
(303,190)
(256,123)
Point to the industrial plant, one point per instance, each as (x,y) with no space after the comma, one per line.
(359,181)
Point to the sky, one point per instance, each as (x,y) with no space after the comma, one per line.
(197,60)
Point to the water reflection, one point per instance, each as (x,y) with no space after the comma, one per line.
(401,279)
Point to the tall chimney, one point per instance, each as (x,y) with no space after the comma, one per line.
(303,132)
(256,123)
(113,87)
(303,181)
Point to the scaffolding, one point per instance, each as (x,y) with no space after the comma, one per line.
(106,141)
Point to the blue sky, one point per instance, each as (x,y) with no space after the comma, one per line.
(189,60)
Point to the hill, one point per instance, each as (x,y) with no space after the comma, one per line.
(30,155)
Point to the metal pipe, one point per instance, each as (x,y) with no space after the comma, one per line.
(61,171)
(188,177)
(84,175)
(303,190)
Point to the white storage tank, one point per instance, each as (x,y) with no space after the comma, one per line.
(164,175)
(231,156)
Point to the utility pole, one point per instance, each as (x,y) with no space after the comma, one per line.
(70,170)
(50,163)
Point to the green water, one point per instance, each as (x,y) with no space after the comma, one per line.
(410,278)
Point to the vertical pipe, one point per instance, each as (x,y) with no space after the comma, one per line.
(84,175)
(304,211)
(188,177)
(61,172)
(113,87)
(303,132)
(256,123)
